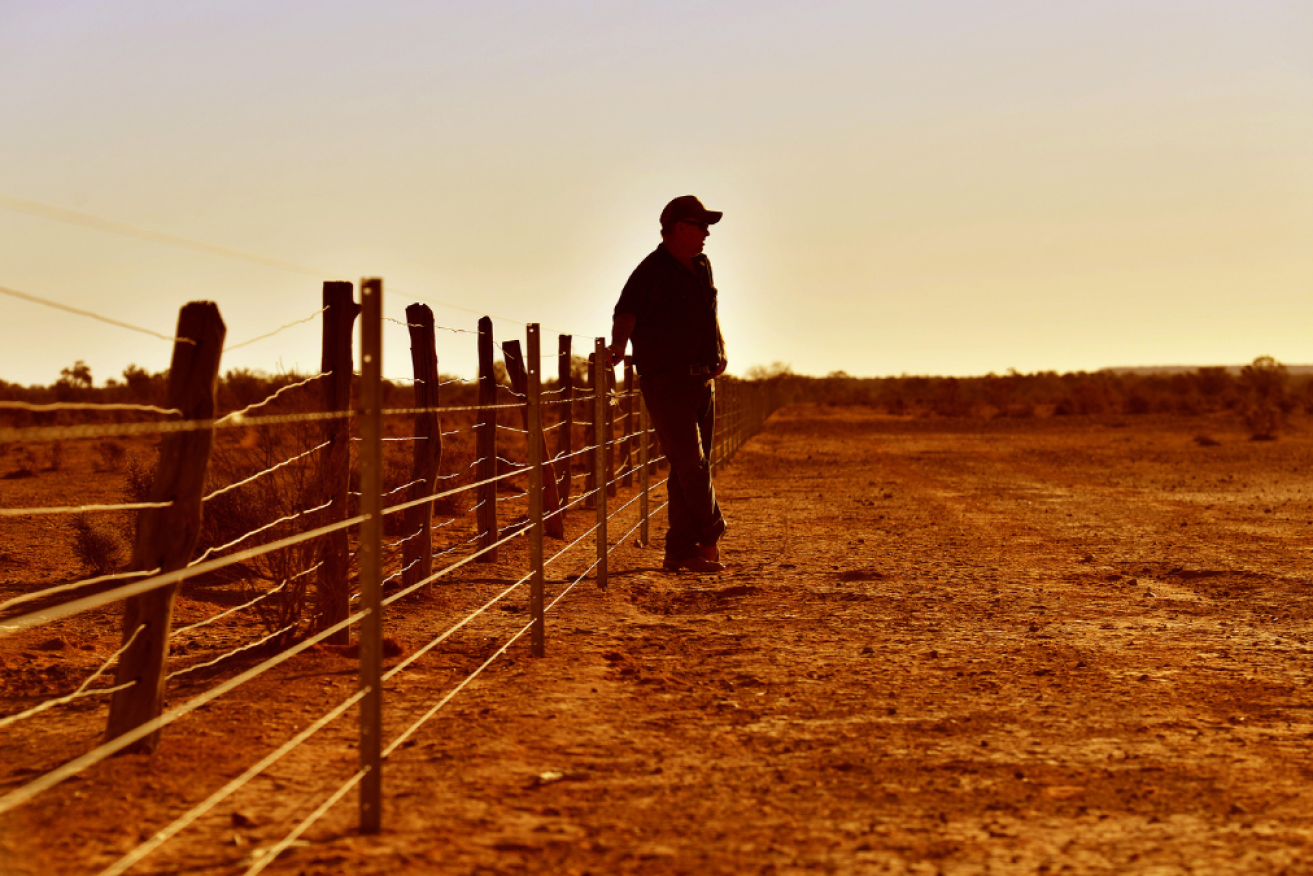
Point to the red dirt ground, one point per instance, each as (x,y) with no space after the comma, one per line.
(957,647)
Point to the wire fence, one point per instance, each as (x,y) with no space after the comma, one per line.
(287,509)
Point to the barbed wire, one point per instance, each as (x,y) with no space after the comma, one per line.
(241,538)
(36,299)
(237,608)
(260,474)
(453,567)
(275,331)
(75,585)
(224,656)
(67,609)
(240,415)
(82,688)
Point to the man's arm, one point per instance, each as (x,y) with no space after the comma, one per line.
(724,360)
(622,327)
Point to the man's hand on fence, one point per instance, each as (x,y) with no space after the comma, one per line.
(720,369)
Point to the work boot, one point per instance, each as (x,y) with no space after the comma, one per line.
(695,563)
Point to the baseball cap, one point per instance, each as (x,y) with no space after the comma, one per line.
(688,208)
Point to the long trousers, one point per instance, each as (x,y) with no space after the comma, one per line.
(683,411)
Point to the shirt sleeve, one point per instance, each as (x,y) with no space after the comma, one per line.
(636,297)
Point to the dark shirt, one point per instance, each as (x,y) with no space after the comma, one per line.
(675,309)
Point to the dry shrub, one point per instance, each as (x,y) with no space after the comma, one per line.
(56,456)
(1206,441)
(96,545)
(282,493)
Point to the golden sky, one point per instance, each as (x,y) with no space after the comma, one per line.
(931,187)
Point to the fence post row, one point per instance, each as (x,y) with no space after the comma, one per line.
(601,420)
(565,438)
(533,418)
(333,595)
(609,388)
(371,554)
(417,557)
(519,384)
(166,537)
(644,474)
(627,478)
(590,427)
(487,446)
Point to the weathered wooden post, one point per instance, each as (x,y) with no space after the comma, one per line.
(601,419)
(371,554)
(539,477)
(487,446)
(333,599)
(627,478)
(427,447)
(590,474)
(515,370)
(565,438)
(166,537)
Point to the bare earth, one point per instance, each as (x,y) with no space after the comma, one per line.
(957,647)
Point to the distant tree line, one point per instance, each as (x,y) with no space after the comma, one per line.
(1265,385)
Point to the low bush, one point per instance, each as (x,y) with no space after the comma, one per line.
(97,545)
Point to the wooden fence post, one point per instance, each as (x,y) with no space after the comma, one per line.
(333,594)
(371,554)
(565,438)
(487,445)
(540,477)
(418,550)
(555,524)
(590,427)
(601,420)
(166,537)
(627,478)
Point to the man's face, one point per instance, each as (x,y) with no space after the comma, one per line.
(688,237)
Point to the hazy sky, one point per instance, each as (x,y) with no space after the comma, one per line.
(919,187)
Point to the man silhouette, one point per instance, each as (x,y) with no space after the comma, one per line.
(668,310)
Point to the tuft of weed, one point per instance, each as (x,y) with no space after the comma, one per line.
(97,546)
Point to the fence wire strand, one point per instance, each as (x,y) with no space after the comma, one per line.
(36,299)
(260,474)
(26,792)
(82,688)
(189,817)
(82,509)
(275,331)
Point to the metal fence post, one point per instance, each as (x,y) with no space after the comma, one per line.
(486,465)
(371,554)
(533,400)
(601,419)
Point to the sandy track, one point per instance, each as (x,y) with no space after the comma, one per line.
(1019,647)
